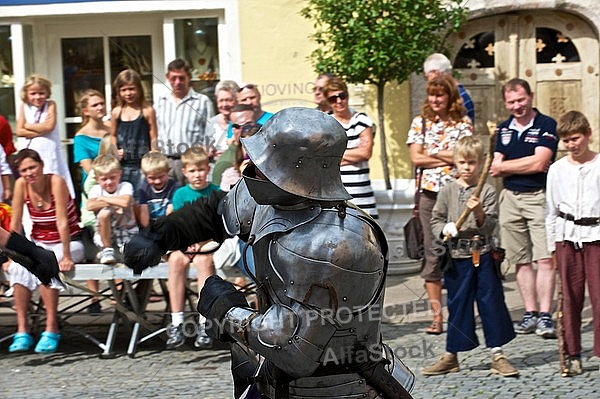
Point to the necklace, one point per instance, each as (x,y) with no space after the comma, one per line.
(40,201)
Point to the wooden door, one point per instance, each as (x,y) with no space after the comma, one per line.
(556,53)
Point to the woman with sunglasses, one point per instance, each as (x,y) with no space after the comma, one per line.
(431,141)
(355,162)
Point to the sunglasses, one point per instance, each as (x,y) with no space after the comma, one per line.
(247,86)
(333,99)
(247,128)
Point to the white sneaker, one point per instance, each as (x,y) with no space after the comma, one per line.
(203,341)
(107,256)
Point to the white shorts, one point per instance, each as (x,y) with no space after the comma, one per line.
(18,274)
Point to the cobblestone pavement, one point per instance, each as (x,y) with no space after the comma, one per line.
(77,371)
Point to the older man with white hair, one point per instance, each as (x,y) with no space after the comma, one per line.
(437,64)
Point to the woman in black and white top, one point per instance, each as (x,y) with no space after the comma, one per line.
(355,162)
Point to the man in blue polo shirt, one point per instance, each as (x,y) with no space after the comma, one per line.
(526,145)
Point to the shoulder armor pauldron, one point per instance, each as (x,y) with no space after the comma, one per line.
(238,209)
(269,219)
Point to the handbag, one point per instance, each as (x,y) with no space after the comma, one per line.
(444,260)
(413,230)
(498,255)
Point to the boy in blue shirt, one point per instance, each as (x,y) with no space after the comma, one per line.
(195,168)
(155,196)
(156,192)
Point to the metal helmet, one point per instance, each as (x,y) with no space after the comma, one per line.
(300,150)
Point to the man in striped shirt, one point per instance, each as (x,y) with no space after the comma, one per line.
(182,117)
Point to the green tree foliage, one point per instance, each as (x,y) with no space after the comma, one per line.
(379,41)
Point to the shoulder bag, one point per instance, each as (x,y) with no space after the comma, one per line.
(413,231)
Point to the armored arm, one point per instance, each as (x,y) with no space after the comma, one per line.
(198,221)
(195,222)
(293,337)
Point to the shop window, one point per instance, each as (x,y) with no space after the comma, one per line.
(197,42)
(7,94)
(477,52)
(83,69)
(553,47)
(132,52)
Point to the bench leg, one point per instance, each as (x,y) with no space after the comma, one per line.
(133,341)
(108,352)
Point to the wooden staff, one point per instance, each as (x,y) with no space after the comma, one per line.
(560,326)
(484,172)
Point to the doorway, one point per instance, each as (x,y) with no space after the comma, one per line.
(557,53)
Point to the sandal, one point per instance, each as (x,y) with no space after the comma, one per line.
(47,343)
(22,342)
(435,328)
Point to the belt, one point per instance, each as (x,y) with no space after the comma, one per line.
(470,247)
(174,156)
(580,222)
(429,193)
(517,192)
(468,242)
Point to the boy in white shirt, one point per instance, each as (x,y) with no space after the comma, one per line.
(573,230)
(112,202)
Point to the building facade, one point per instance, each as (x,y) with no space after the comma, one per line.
(83,44)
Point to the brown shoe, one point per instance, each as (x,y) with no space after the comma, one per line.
(501,365)
(448,363)
(436,328)
(574,367)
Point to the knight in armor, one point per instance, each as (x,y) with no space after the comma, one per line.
(320,269)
